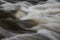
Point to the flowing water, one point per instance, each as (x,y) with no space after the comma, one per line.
(46,14)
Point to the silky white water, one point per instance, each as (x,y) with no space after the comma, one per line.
(46,15)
